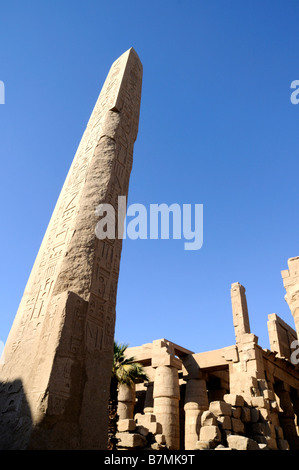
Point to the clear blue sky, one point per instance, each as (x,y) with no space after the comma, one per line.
(217,128)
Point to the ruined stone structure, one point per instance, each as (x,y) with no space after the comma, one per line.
(239,397)
(54,384)
(55,379)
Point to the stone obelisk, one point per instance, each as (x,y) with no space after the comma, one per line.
(54,383)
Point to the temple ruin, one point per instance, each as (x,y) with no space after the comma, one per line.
(239,397)
(54,381)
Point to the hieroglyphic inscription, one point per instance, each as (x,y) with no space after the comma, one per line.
(62,225)
(61,343)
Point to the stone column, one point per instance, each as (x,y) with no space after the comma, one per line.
(59,351)
(196,401)
(149,400)
(126,401)
(291,284)
(167,392)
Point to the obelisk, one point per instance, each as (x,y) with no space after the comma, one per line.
(54,383)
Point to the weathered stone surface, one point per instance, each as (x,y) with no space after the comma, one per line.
(220,408)
(124,425)
(233,399)
(225,422)
(166,391)
(242,443)
(208,418)
(142,430)
(245,414)
(145,419)
(254,415)
(204,445)
(126,439)
(237,426)
(260,402)
(210,433)
(60,347)
(236,412)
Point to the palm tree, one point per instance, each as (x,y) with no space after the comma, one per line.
(124,372)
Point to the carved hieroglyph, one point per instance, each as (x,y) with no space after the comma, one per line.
(54,384)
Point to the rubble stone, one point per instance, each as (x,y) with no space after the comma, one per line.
(242,443)
(220,408)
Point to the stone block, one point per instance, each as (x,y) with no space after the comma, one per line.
(245,414)
(220,408)
(154,428)
(241,443)
(268,394)
(255,415)
(237,426)
(210,433)
(234,400)
(225,422)
(142,430)
(262,429)
(130,440)
(264,414)
(260,402)
(144,420)
(236,412)
(269,441)
(208,418)
(273,405)
(124,425)
(203,445)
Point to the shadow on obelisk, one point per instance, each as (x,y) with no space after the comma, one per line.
(15,416)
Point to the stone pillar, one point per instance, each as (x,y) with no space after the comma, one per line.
(149,400)
(167,392)
(240,310)
(245,373)
(58,356)
(126,401)
(249,370)
(196,401)
(291,284)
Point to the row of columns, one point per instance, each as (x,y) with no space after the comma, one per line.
(163,397)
